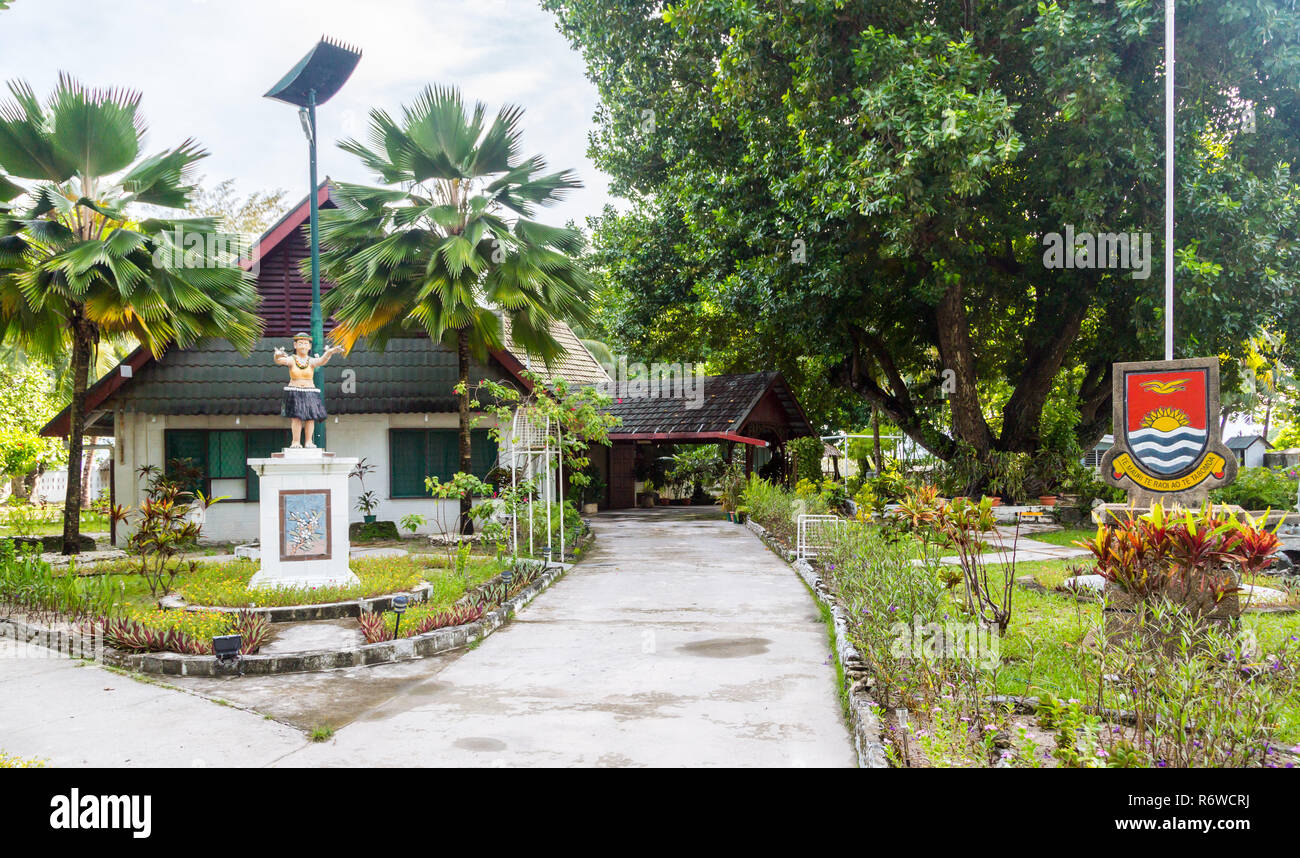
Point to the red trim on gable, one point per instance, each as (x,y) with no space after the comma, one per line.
(512,365)
(287,224)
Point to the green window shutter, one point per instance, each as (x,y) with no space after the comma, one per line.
(226,455)
(186,452)
(444,454)
(483,452)
(260,444)
(407,462)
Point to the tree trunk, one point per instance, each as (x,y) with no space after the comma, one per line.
(1268,414)
(952,331)
(466,460)
(875,439)
(83,336)
(87,460)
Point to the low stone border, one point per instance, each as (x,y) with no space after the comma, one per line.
(174,664)
(304,613)
(868,735)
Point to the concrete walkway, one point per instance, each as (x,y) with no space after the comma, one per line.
(1027,549)
(678,641)
(74,713)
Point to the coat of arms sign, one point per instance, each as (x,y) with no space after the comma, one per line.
(1166,431)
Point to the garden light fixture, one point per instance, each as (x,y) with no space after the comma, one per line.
(227,648)
(400,604)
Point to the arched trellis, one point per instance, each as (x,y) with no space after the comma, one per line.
(536,447)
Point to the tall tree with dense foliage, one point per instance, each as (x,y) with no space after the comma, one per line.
(28,399)
(871,182)
(76,266)
(440,254)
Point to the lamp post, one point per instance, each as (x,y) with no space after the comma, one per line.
(313,81)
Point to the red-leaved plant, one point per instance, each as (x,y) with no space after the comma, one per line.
(1194,558)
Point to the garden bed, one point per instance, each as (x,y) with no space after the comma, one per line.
(403,649)
(1036,701)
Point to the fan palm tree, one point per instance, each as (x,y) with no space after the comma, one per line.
(451,248)
(76,269)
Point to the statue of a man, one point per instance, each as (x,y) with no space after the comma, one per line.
(303,403)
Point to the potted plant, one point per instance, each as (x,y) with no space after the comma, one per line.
(1047,500)
(592,493)
(733,482)
(367,503)
(742,513)
(647,497)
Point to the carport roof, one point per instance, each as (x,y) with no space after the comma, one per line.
(723,409)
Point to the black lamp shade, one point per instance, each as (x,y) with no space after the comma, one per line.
(325,69)
(226,645)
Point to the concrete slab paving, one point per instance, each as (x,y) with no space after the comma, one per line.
(75,713)
(679,641)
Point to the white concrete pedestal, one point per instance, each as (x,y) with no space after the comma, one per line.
(303,519)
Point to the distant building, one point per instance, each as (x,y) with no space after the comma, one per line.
(1249,450)
(1092,459)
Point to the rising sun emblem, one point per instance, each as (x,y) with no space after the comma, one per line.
(1165,419)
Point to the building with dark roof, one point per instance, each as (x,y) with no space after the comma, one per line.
(757,411)
(1249,449)
(210,404)
(395,408)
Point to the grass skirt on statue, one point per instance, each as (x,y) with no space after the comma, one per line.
(303,403)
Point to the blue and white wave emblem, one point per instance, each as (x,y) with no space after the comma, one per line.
(1169,452)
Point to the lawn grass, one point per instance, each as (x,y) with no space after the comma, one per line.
(1066,537)
(226,584)
(1050,573)
(91,522)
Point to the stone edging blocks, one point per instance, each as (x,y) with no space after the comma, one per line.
(305,613)
(868,738)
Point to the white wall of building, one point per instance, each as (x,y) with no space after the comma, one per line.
(1254,455)
(359,435)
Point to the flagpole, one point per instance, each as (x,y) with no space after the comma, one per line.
(1169,179)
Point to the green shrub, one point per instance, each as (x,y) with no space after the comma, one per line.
(775,508)
(808,453)
(1258,488)
(33,585)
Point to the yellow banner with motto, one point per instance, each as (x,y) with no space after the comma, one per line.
(1124,466)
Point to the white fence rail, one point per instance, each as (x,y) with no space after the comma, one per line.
(814,534)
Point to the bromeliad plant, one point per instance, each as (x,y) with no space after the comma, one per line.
(180,631)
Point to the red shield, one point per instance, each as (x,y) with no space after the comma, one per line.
(1166,419)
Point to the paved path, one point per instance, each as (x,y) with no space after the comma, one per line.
(1027,548)
(678,641)
(75,713)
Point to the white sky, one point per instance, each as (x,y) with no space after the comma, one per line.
(204,65)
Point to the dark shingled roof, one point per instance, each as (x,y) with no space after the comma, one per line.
(1241,442)
(726,404)
(410,375)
